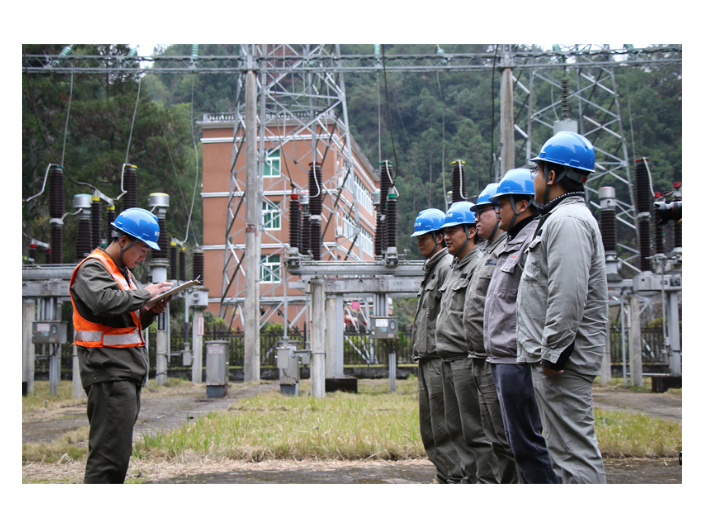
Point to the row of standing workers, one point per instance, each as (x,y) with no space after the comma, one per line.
(510,327)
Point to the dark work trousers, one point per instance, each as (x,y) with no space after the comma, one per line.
(464,423)
(433,432)
(519,410)
(113,407)
(493,423)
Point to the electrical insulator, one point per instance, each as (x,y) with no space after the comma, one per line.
(392,219)
(56,191)
(643,206)
(198,267)
(110,213)
(565,95)
(659,234)
(459,184)
(316,241)
(294,227)
(173,255)
(607,218)
(130,185)
(315,188)
(83,203)
(56,210)
(182,264)
(160,203)
(95,221)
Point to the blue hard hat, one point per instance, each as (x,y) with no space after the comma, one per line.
(427,221)
(459,213)
(568,149)
(485,196)
(140,224)
(515,181)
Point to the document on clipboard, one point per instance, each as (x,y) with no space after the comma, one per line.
(174,291)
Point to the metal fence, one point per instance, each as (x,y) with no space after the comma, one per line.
(359,349)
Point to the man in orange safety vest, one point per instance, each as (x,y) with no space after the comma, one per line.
(109,313)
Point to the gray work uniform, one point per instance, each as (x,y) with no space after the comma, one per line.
(492,421)
(462,408)
(513,382)
(433,431)
(563,301)
(112,377)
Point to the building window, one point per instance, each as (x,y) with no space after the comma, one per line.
(272,165)
(270,270)
(271,215)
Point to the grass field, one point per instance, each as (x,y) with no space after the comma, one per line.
(373,424)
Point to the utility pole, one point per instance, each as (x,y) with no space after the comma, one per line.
(317,338)
(252,248)
(508,156)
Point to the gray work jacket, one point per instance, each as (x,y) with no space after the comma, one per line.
(500,309)
(563,296)
(423,336)
(99,299)
(449,334)
(475,299)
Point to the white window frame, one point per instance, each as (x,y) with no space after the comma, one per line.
(273,171)
(270,269)
(271,216)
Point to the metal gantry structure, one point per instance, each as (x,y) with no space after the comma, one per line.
(302,87)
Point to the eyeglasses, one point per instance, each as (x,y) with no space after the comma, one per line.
(483,210)
(533,172)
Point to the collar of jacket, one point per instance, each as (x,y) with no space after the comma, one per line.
(431,261)
(467,259)
(548,207)
(519,227)
(521,236)
(492,245)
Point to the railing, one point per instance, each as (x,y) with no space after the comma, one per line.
(359,349)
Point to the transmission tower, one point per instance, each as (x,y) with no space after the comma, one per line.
(302,123)
(584,99)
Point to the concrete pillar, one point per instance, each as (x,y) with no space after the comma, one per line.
(508,156)
(317,338)
(197,330)
(29,310)
(161,362)
(605,374)
(76,385)
(634,342)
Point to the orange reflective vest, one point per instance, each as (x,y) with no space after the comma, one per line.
(96,335)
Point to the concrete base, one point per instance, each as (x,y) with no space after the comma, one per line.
(662,383)
(289,389)
(215,391)
(346,384)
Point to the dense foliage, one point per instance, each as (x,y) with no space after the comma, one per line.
(84,122)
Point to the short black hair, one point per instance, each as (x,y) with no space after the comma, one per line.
(118,233)
(567,183)
(531,201)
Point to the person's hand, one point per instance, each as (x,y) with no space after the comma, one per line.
(549,372)
(158,289)
(159,306)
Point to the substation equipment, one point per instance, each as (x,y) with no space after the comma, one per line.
(304,85)
(45,286)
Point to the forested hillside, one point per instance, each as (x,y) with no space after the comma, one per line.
(85,122)
(422,121)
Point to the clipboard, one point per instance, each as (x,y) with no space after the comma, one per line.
(174,291)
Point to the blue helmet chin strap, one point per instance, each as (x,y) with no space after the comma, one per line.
(546,168)
(435,240)
(123,249)
(466,232)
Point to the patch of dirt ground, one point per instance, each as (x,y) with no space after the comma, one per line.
(165,410)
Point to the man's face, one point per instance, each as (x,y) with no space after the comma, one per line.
(135,254)
(485,218)
(505,212)
(539,183)
(426,244)
(455,238)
